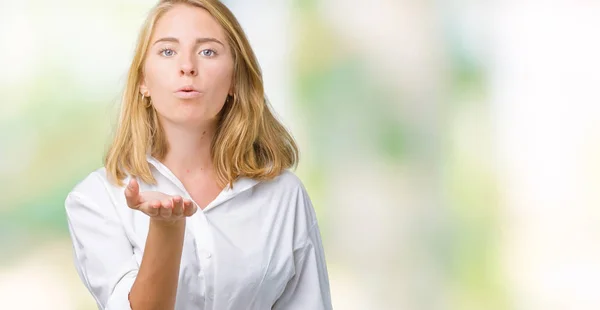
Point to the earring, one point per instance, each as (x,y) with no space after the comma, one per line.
(146,104)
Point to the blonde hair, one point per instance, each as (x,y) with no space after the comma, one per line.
(249,140)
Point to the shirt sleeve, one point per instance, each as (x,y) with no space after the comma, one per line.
(309,287)
(103,255)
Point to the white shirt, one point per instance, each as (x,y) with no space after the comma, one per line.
(256,246)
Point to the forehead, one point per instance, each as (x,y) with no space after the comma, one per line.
(187,22)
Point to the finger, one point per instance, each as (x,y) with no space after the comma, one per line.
(132,194)
(166,203)
(151,208)
(177,206)
(154,208)
(189,208)
(165,211)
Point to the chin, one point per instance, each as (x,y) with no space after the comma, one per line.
(193,120)
(189,115)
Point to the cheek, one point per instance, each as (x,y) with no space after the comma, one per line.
(219,76)
(155,74)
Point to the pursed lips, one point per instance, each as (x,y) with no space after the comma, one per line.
(187,93)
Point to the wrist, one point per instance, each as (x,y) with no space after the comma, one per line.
(167,223)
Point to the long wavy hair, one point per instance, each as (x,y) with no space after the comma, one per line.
(249,140)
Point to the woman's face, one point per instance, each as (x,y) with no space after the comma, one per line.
(188,50)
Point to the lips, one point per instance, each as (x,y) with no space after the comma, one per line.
(188,88)
(187,92)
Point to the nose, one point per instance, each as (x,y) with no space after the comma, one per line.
(188,70)
(188,67)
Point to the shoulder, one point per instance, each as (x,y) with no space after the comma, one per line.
(286,181)
(94,188)
(287,186)
(289,192)
(95,182)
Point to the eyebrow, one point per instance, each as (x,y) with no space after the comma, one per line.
(198,41)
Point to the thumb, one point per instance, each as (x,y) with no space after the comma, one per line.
(132,193)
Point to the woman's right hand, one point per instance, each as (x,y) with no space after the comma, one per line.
(158,205)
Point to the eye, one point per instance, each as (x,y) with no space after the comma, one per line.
(208,52)
(167,52)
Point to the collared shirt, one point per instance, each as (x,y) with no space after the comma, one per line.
(255,246)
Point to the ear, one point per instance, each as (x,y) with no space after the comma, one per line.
(144,89)
(231,91)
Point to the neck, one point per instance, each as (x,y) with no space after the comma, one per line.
(189,150)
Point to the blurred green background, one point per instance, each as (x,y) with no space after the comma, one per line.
(449,147)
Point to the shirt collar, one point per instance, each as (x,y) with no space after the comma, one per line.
(240,185)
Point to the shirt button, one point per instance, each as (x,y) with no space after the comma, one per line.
(208,255)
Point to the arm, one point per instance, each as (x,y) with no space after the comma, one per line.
(309,287)
(104,256)
(156,284)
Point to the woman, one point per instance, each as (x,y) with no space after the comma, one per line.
(195,207)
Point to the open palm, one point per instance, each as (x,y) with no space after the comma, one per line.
(158,205)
